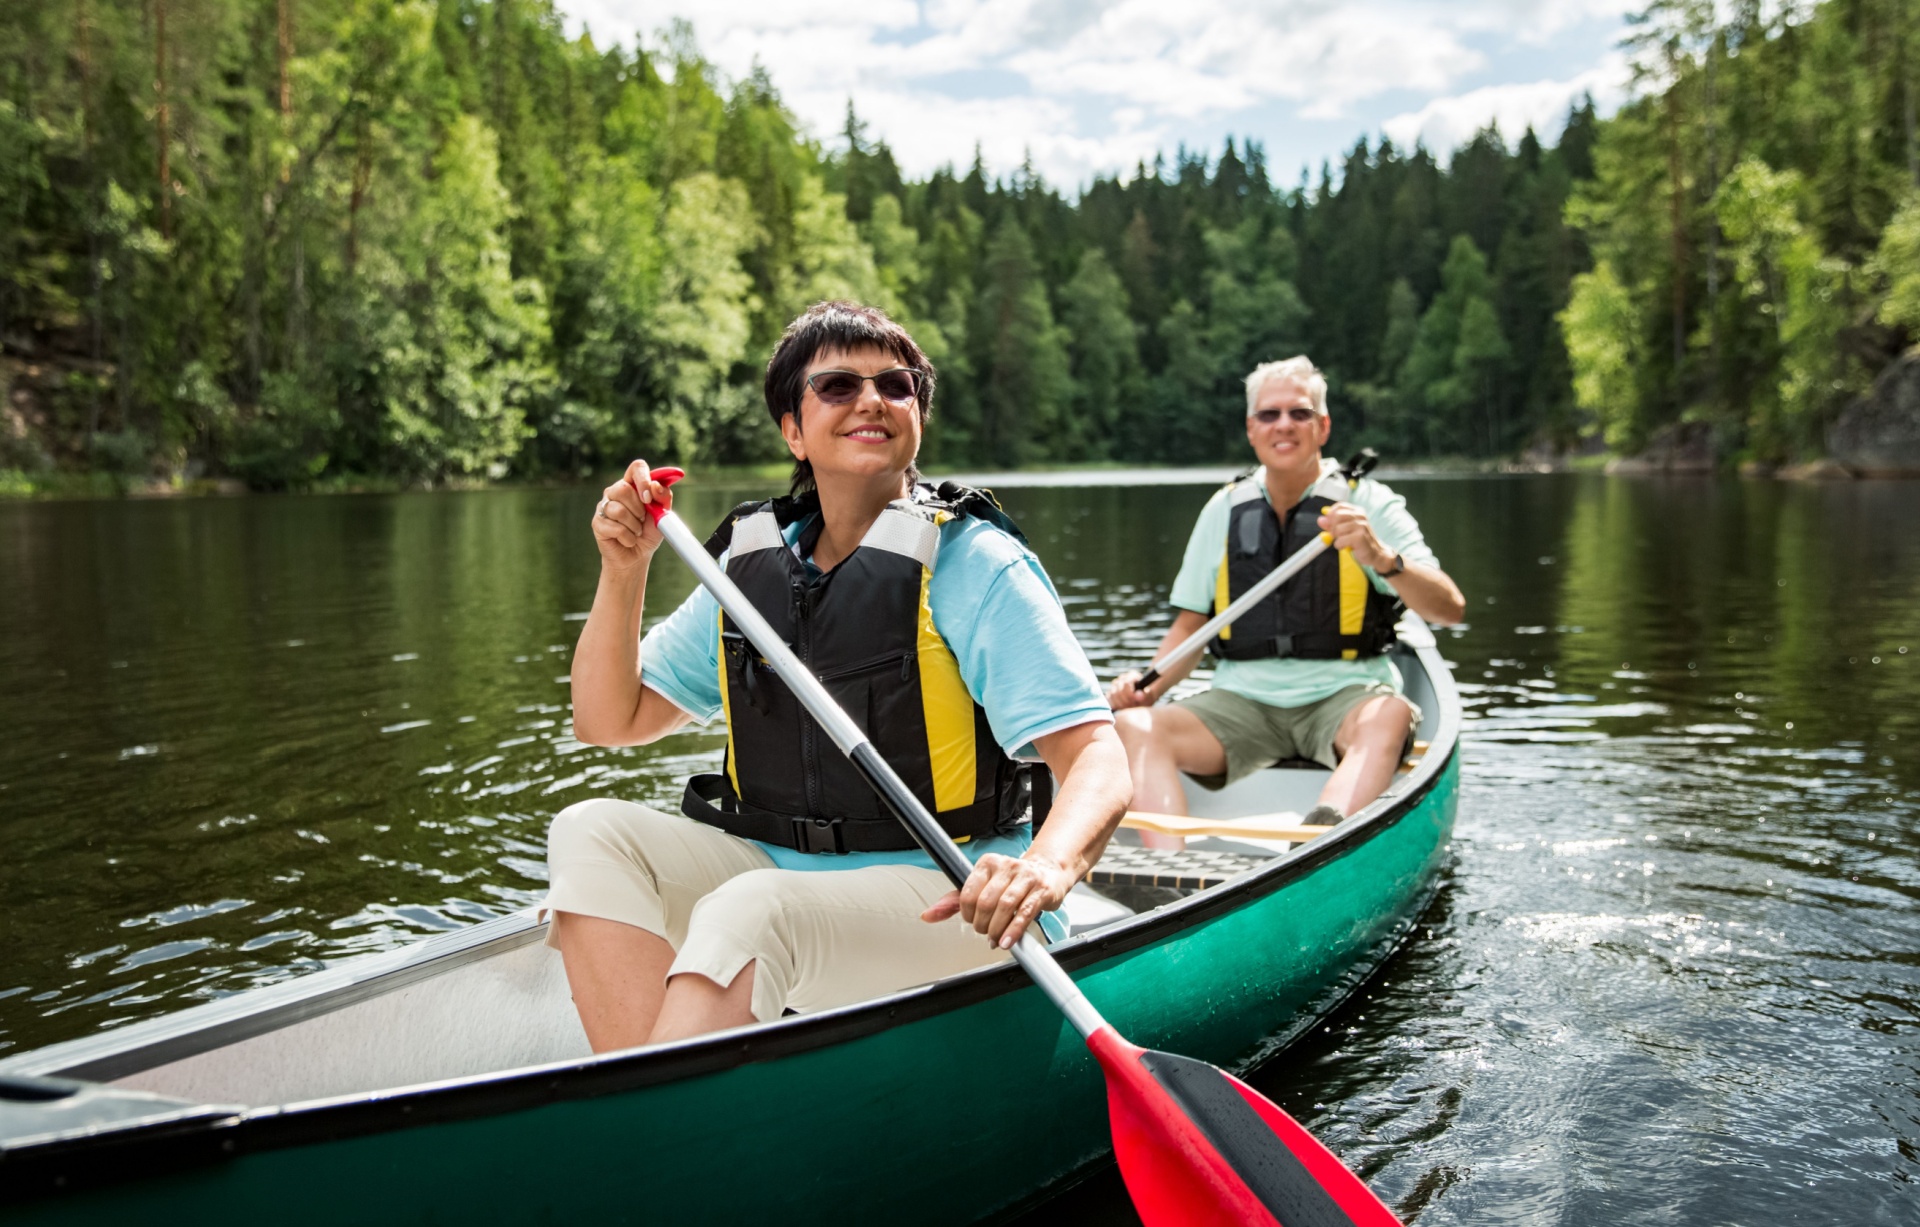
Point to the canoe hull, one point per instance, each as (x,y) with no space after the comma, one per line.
(945,1105)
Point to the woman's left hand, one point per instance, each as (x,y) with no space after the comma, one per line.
(1004,895)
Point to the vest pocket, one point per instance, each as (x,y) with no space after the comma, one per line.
(839,779)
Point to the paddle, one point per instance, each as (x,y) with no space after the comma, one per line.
(1193,643)
(1194,1143)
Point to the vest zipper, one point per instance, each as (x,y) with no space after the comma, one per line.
(809,730)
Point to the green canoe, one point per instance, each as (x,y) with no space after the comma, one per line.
(448,1082)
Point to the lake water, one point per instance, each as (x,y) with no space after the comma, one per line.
(1673,976)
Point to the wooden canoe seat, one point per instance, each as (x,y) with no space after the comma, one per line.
(1414,756)
(1285,826)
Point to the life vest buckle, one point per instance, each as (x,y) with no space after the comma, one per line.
(818,835)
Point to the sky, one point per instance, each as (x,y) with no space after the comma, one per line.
(1089,88)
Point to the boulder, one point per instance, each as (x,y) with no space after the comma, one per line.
(1878,435)
(1824,469)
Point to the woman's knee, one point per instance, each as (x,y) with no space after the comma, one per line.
(602,828)
(750,902)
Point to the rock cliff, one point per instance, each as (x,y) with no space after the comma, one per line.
(1878,435)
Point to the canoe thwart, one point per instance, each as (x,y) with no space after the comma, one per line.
(1285,826)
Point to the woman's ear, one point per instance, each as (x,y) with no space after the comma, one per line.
(790,431)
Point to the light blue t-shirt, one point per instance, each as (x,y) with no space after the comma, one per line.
(1001,618)
(1285,681)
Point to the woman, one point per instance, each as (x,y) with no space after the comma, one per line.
(931,621)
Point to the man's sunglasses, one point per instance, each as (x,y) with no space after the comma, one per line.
(1299,414)
(899,384)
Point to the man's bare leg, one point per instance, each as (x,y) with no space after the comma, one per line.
(1370,742)
(1161,743)
(618,976)
(695,1005)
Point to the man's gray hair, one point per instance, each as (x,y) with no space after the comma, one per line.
(1298,368)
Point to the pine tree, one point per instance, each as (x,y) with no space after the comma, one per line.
(1020,355)
(1105,358)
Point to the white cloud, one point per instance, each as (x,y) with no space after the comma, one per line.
(1091,85)
(1446,123)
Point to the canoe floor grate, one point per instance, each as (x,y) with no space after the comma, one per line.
(1124,865)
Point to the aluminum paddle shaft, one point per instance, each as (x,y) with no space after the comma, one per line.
(1195,642)
(1194,1144)
(1053,981)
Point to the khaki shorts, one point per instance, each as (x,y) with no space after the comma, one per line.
(822,937)
(1256,736)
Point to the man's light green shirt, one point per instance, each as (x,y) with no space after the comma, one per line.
(1284,682)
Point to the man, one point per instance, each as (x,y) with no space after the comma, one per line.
(1304,673)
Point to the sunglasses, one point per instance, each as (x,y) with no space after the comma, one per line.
(898,384)
(1299,414)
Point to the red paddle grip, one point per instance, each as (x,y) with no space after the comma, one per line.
(666,477)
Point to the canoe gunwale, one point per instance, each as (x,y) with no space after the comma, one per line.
(133,1153)
(102,1058)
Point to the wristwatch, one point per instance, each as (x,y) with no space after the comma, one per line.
(1399,565)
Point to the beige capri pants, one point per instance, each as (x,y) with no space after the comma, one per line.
(822,937)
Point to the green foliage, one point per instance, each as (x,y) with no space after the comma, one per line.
(457,344)
(430,241)
(1732,214)
(1604,332)
(1897,264)
(1796,289)
(1451,379)
(1025,380)
(702,319)
(1105,354)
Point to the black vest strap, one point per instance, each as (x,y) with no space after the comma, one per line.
(710,799)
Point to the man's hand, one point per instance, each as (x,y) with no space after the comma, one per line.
(1124,692)
(1004,895)
(1352,531)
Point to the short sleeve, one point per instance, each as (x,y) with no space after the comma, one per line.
(680,656)
(1193,587)
(998,612)
(1395,525)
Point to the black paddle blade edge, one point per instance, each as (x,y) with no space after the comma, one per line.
(1257,1155)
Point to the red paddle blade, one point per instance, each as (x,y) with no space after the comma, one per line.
(1197,1145)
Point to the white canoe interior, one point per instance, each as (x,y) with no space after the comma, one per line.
(494,997)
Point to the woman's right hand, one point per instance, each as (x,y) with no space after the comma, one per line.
(625,533)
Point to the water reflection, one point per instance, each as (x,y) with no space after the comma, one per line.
(1671,980)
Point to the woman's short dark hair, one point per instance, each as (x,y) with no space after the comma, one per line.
(842,326)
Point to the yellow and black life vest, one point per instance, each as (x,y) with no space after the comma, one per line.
(1330,611)
(866,631)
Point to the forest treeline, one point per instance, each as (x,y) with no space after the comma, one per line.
(1753,223)
(289,240)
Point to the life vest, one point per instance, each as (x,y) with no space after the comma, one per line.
(1330,611)
(866,630)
